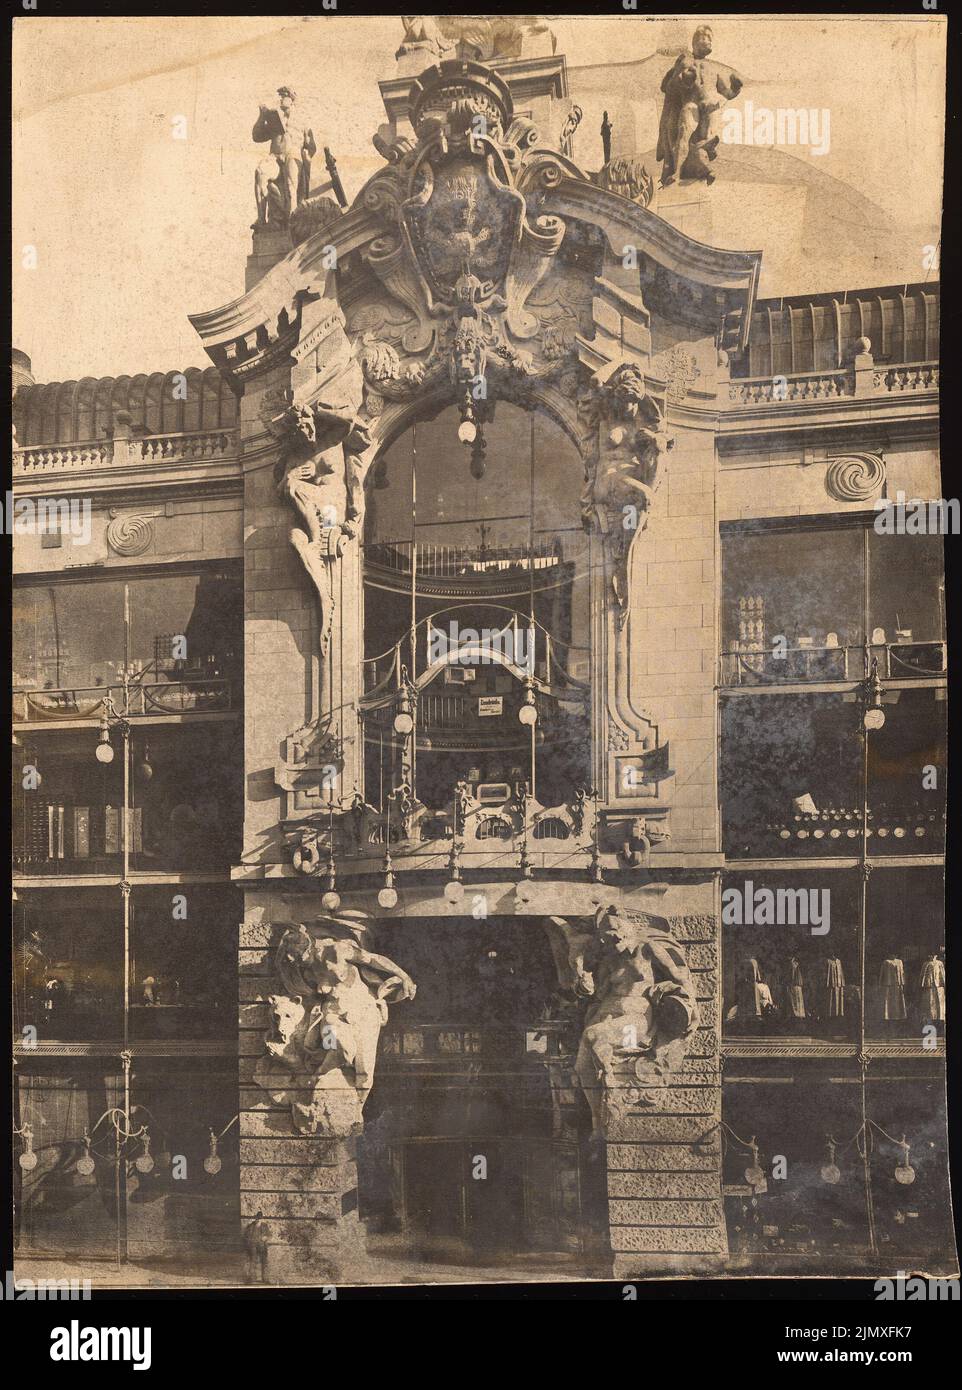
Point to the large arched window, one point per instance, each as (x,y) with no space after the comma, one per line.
(476,580)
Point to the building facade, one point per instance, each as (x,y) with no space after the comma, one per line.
(479,790)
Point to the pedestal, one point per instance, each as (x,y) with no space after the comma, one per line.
(269,245)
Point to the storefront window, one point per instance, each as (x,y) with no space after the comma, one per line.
(907,600)
(488,548)
(185,802)
(905,959)
(791,776)
(179,1206)
(183,964)
(68,966)
(887,590)
(778,628)
(68,636)
(79,636)
(794,1215)
(790,955)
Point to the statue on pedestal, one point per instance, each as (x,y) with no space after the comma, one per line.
(695,89)
(283,178)
(422,34)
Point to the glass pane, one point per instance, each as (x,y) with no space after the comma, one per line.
(183,967)
(182,1207)
(907,776)
(790,954)
(801,592)
(68,636)
(907,600)
(790,775)
(62,1211)
(185,802)
(69,966)
(904,959)
(913,1219)
(203,610)
(492,551)
(799,1217)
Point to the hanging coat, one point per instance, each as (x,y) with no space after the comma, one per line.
(892,989)
(932,987)
(834,988)
(754,996)
(796,992)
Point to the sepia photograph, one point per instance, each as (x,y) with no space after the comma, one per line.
(478,652)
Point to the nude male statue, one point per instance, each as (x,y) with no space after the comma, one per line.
(282,179)
(695,89)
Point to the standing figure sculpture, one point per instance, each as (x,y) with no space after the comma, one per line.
(606,136)
(643,1010)
(283,178)
(695,89)
(321,475)
(321,1048)
(622,480)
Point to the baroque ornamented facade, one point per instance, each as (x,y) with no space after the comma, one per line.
(495,631)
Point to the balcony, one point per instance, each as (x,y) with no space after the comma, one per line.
(795,388)
(42,461)
(747,665)
(150,647)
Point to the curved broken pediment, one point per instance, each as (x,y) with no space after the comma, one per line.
(466,224)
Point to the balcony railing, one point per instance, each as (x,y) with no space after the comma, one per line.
(464,561)
(190,696)
(803,386)
(923,376)
(202,446)
(809,664)
(792,387)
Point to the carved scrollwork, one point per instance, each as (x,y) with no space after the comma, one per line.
(855,477)
(129,534)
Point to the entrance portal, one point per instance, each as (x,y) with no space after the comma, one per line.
(472,1150)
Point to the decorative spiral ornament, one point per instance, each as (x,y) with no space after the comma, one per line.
(855,477)
(380,247)
(129,534)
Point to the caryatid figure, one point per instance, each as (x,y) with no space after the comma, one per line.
(283,179)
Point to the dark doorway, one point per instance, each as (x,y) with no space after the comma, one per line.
(473,1135)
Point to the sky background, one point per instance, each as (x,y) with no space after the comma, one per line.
(135,229)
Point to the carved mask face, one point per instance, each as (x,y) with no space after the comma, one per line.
(701,42)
